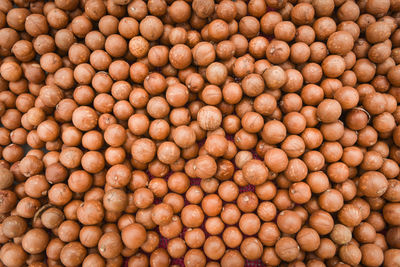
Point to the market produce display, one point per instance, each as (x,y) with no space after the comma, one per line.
(199,133)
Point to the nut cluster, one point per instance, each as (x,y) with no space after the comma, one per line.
(199,133)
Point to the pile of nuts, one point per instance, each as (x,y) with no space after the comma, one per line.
(200,133)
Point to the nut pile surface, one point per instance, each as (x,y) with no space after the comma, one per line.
(199,133)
